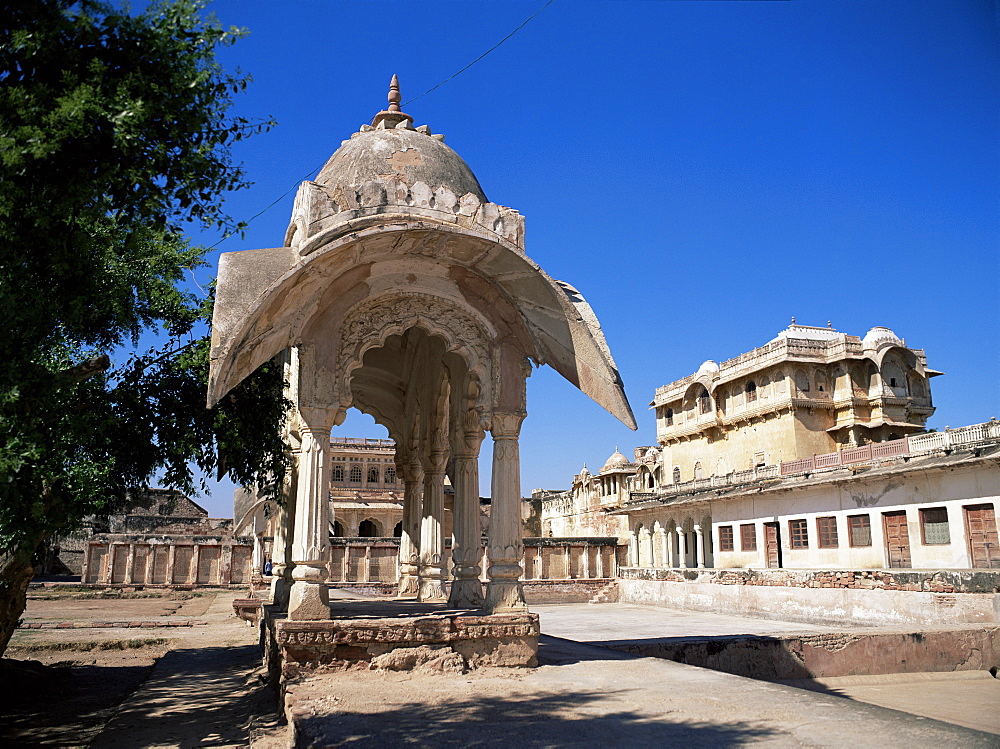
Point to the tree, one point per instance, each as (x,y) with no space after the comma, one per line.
(113,137)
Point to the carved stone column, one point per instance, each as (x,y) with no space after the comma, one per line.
(682,549)
(645,547)
(284,523)
(466,589)
(432,527)
(669,558)
(504,592)
(659,547)
(308,597)
(409,542)
(699,546)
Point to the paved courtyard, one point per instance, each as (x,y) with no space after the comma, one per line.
(204,689)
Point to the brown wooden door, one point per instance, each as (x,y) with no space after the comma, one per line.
(981,528)
(772,544)
(897,539)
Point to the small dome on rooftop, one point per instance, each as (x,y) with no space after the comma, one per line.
(879,335)
(392,151)
(708,366)
(617,460)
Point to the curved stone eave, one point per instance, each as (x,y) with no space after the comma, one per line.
(562,325)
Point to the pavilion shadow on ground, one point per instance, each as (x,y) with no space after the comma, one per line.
(520,720)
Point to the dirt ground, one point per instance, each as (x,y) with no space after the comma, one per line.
(63,685)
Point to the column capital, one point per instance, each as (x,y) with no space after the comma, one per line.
(506,424)
(315,419)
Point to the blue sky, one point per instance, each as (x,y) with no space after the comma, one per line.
(701,171)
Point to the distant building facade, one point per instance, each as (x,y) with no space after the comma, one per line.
(808,452)
(808,391)
(365,490)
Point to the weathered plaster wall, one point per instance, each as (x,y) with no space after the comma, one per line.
(817,605)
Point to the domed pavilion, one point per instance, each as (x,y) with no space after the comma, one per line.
(402,291)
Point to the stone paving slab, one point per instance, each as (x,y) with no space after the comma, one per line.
(584,696)
(91,624)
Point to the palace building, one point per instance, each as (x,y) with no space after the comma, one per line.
(808,452)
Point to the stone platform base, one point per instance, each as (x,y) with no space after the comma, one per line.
(248,609)
(363,630)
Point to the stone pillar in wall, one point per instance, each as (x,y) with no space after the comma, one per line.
(308,598)
(682,549)
(504,592)
(668,555)
(171,563)
(466,589)
(699,547)
(130,565)
(409,542)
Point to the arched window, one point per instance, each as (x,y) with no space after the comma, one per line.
(698,473)
(368,529)
(650,483)
(668,417)
(338,473)
(751,391)
(677,475)
(802,381)
(390,475)
(355,474)
(373,474)
(338,529)
(397,530)
(704,402)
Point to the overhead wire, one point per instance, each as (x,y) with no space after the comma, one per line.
(407,102)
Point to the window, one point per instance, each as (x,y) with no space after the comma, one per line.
(826,529)
(668,417)
(725,538)
(748,537)
(751,391)
(355,474)
(859,528)
(338,473)
(373,475)
(934,526)
(698,473)
(799,533)
(704,402)
(390,475)
(677,475)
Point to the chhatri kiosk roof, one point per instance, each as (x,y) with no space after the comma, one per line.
(394,206)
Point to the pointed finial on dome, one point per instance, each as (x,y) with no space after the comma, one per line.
(793,320)
(393,117)
(394,97)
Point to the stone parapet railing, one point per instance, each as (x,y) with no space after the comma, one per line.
(125,559)
(376,560)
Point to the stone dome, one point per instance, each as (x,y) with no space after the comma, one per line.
(878,336)
(708,366)
(617,461)
(400,154)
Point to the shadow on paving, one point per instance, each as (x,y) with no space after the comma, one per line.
(194,697)
(522,720)
(61,705)
(754,656)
